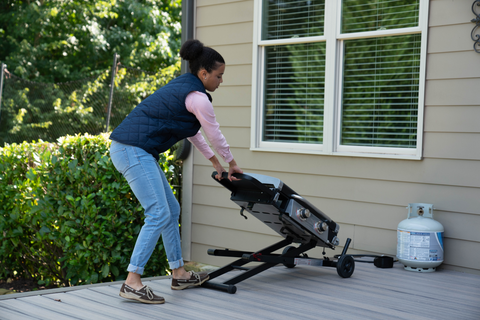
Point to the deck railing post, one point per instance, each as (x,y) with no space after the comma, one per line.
(112,86)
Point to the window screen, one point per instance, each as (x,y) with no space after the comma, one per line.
(294,93)
(372,15)
(380,91)
(292,19)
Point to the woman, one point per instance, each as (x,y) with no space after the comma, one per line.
(174,112)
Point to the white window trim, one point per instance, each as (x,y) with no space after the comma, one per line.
(332,107)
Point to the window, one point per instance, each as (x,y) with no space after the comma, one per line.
(339,77)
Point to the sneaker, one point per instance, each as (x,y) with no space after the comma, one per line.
(196,279)
(144,295)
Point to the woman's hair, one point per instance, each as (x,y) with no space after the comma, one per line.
(200,56)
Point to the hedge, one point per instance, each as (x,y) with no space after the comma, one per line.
(67,216)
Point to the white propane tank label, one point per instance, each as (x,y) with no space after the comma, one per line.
(420,246)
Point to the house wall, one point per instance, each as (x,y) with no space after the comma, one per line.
(366,196)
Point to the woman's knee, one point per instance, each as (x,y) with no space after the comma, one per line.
(158,215)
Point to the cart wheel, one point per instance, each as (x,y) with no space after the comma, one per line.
(288,265)
(345,266)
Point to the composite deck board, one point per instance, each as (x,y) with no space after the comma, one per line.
(256,305)
(109,296)
(63,308)
(146,311)
(30,310)
(360,286)
(328,303)
(8,314)
(382,298)
(193,304)
(100,309)
(426,292)
(278,293)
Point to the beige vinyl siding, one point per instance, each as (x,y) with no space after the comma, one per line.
(227,26)
(366,196)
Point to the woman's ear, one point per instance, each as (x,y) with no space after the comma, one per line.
(202,74)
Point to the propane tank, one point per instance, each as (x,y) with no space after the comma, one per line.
(420,239)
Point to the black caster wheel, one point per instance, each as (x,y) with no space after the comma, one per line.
(345,266)
(288,265)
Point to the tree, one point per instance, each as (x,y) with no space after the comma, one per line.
(52,42)
(64,40)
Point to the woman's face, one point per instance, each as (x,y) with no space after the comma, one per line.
(212,80)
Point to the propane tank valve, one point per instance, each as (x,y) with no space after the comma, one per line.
(420,211)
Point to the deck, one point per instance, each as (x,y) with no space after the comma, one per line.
(279,293)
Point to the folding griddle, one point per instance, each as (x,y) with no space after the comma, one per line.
(291,216)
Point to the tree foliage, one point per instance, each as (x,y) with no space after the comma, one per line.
(63,40)
(47,111)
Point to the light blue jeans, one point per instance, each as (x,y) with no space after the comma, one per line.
(148,183)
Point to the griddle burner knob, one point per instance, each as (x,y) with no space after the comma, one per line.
(303,214)
(335,241)
(321,226)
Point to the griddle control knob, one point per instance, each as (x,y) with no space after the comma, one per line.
(335,241)
(303,214)
(321,226)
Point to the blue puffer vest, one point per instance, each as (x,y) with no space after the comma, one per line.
(162,119)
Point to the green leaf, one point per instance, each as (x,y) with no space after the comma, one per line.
(115,271)
(35,209)
(94,277)
(15,241)
(31,174)
(44,230)
(73,165)
(105,270)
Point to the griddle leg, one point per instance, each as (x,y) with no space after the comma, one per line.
(220,286)
(345,248)
(228,286)
(269,261)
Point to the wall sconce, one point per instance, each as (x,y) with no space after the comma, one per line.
(476,37)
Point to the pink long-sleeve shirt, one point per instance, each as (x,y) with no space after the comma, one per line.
(198,104)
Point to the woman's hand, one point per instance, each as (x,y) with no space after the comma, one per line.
(218,167)
(233,168)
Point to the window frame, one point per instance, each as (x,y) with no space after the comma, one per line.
(333,86)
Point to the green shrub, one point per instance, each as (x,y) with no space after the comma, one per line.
(67,215)
(15,201)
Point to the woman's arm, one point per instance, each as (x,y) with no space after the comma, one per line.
(198,104)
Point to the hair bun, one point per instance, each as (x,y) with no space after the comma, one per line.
(191,50)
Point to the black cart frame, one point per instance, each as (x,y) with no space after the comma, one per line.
(291,216)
